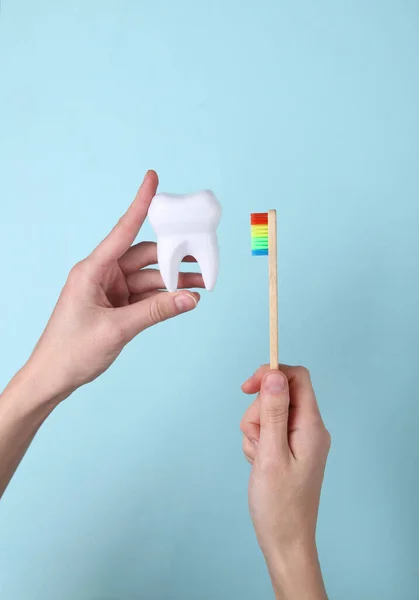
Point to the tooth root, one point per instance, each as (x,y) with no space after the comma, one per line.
(170,254)
(205,250)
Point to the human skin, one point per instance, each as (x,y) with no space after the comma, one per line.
(109,298)
(112,296)
(287,444)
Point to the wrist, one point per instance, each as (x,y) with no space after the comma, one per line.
(32,388)
(295,573)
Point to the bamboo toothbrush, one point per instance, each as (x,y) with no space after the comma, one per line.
(263,237)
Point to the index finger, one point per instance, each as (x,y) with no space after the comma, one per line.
(122,236)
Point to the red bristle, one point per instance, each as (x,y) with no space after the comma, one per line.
(259,219)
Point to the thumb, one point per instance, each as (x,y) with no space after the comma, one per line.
(274,411)
(155,309)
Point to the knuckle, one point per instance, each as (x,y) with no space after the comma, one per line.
(77,271)
(248,449)
(327,439)
(123,222)
(155,313)
(277,413)
(303,372)
(159,311)
(81,272)
(248,457)
(323,437)
(245,445)
(125,225)
(243,426)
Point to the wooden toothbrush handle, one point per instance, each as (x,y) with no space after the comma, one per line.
(273,289)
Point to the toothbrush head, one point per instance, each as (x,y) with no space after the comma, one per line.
(259,234)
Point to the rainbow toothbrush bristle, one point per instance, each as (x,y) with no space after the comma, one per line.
(259,233)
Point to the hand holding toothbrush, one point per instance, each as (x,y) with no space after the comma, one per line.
(286,442)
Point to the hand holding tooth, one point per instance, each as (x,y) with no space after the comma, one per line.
(109,298)
(186,225)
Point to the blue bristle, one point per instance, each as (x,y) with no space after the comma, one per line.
(260,252)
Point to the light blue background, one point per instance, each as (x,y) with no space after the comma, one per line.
(136,487)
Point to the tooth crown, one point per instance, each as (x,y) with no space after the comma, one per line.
(184,213)
(186,224)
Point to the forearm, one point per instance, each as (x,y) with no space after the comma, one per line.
(24,406)
(297,575)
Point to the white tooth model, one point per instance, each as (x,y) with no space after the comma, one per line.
(186,225)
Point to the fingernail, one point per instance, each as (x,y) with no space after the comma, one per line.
(185,302)
(275,383)
(149,173)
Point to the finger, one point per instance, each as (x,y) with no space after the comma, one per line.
(150,279)
(303,398)
(252,385)
(249,449)
(304,412)
(251,430)
(299,381)
(250,423)
(274,410)
(139,297)
(142,255)
(157,308)
(138,256)
(126,230)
